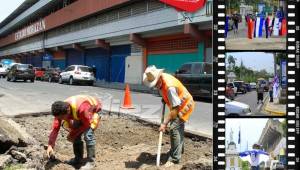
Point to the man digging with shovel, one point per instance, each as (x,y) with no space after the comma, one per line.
(80,116)
(180,103)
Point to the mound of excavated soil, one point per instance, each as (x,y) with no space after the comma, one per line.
(121,144)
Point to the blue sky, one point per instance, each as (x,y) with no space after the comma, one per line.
(251,130)
(8,7)
(255,60)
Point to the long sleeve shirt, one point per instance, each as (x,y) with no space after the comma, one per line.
(85,115)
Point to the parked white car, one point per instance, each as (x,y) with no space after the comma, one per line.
(234,108)
(253,85)
(3,71)
(77,74)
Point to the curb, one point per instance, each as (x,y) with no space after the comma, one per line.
(274,112)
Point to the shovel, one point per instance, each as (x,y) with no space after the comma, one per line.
(160,138)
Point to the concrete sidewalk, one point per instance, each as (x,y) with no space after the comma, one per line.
(121,86)
(274,108)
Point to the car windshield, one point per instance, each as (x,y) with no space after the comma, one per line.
(24,66)
(202,68)
(85,69)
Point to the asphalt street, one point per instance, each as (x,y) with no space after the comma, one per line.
(17,98)
(250,98)
(241,42)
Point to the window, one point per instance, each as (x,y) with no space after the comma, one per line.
(24,66)
(85,69)
(198,68)
(70,68)
(207,69)
(185,69)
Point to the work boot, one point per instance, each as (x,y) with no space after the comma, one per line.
(78,152)
(90,158)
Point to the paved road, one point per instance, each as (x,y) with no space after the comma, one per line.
(27,98)
(241,42)
(250,98)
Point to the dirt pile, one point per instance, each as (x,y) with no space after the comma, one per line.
(121,144)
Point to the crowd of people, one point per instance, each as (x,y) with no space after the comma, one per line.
(258,24)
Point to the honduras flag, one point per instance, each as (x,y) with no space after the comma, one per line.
(276,27)
(276,87)
(226,26)
(259,25)
(254,157)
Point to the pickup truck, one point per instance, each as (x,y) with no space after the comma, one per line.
(197,78)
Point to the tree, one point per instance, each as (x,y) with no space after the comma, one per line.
(231,61)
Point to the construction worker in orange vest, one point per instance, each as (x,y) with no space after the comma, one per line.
(79,115)
(180,103)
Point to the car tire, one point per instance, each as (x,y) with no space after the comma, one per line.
(71,81)
(60,81)
(91,83)
(24,80)
(32,80)
(7,79)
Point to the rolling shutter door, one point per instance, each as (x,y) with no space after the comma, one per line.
(100,59)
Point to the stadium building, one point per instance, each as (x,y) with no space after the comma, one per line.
(118,37)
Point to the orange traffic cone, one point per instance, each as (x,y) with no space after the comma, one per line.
(127,104)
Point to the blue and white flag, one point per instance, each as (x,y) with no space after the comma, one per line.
(254,157)
(226,26)
(275,87)
(239,140)
(259,25)
(276,27)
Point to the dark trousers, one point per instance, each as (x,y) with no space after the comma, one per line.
(271,96)
(260,96)
(176,137)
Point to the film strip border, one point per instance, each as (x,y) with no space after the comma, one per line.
(293,140)
(219,84)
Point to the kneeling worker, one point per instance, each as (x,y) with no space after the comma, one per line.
(79,115)
(181,106)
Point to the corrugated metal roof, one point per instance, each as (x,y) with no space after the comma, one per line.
(23,7)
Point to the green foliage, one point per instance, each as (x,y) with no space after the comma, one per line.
(248,75)
(245,165)
(14,167)
(279,57)
(283,126)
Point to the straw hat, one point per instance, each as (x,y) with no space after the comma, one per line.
(151,76)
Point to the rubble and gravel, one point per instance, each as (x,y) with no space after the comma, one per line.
(122,143)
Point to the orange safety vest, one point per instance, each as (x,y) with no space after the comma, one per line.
(75,102)
(187,103)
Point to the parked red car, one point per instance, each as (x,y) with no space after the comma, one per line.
(229,92)
(39,72)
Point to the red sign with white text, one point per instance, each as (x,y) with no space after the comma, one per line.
(186,5)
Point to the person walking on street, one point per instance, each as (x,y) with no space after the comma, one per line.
(267,26)
(181,106)
(271,91)
(80,116)
(260,92)
(235,19)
